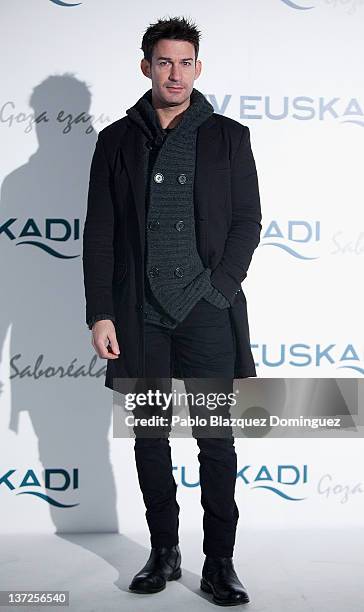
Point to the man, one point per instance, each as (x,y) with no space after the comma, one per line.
(172,222)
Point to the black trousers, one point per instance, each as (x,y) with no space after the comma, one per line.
(204,344)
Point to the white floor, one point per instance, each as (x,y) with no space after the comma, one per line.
(284,571)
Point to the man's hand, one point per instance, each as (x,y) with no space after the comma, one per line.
(104,339)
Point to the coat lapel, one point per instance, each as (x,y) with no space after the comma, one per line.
(134,152)
(204,139)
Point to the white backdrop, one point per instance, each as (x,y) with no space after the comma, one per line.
(292,73)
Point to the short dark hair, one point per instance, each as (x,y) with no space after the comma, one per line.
(173,28)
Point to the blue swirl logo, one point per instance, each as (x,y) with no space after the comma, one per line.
(279,492)
(296,6)
(60,3)
(49,500)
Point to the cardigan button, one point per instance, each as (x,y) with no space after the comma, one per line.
(179,272)
(158,178)
(182,178)
(179,225)
(153,225)
(154,271)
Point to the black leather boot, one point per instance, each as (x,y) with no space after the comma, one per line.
(163,564)
(220,579)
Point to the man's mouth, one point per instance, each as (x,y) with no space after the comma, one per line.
(175,88)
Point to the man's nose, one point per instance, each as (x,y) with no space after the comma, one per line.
(175,73)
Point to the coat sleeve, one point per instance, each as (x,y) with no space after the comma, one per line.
(244,234)
(98,237)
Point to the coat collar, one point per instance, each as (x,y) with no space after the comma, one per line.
(146,118)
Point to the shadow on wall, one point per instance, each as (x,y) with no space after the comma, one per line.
(55,375)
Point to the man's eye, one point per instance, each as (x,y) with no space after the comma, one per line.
(185,63)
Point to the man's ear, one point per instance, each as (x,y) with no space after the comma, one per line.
(145,68)
(198,68)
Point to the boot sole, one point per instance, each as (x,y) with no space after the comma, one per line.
(174,576)
(207,589)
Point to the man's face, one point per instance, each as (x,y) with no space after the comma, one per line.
(173,71)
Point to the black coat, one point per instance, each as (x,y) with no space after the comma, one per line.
(227,221)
